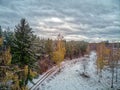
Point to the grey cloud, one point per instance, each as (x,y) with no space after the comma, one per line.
(88,18)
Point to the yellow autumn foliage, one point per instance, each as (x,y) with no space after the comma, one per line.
(59,54)
(103,54)
(107,51)
(15,85)
(100,63)
(24,88)
(7,57)
(9,75)
(101,50)
(33,73)
(1,41)
(26,70)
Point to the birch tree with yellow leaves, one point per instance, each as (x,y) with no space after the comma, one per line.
(59,53)
(103,55)
(99,62)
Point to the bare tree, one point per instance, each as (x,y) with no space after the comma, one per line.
(112,65)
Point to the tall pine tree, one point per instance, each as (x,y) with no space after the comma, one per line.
(23,56)
(49,48)
(22,44)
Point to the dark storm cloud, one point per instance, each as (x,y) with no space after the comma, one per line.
(75,19)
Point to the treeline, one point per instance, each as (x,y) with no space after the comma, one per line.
(23,55)
(45,49)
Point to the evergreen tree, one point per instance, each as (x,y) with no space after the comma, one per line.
(22,44)
(49,48)
(0,32)
(23,56)
(8,35)
(69,49)
(1,40)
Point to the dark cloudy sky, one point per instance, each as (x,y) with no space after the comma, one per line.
(89,20)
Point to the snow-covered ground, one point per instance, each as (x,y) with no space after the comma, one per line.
(70,77)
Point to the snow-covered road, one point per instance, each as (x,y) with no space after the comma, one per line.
(70,77)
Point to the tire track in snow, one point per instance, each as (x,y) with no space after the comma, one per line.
(47,74)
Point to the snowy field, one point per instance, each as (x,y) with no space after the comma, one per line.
(70,77)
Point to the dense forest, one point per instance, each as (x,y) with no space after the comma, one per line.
(23,55)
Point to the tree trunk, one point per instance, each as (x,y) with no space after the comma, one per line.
(116,69)
(112,77)
(26,81)
(99,75)
(116,73)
